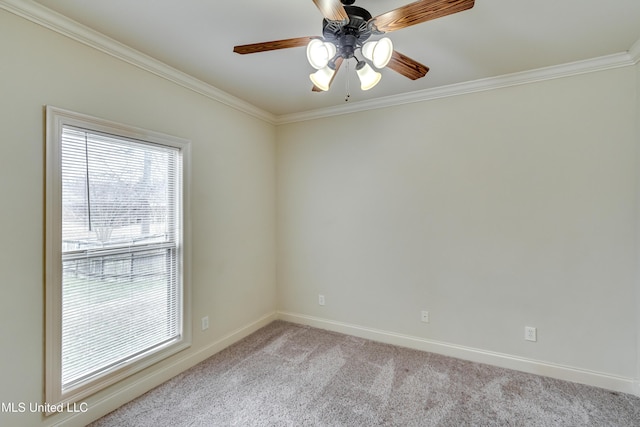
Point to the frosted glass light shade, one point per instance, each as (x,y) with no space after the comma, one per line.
(367,50)
(368,76)
(319,53)
(322,78)
(378,52)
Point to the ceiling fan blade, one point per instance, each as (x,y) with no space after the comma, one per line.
(333,10)
(273,45)
(406,66)
(419,12)
(338,64)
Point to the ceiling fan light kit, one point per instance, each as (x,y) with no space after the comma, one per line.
(321,53)
(346,30)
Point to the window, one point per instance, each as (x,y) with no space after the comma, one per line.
(116,298)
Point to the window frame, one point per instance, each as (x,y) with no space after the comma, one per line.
(56,119)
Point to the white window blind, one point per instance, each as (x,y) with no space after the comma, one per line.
(120,292)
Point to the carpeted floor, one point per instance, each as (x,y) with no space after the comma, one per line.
(292,375)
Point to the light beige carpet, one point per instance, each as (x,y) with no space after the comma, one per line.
(292,375)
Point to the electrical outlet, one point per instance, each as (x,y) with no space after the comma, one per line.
(321,299)
(424,316)
(530,333)
(205,323)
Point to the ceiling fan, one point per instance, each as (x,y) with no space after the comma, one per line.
(346,30)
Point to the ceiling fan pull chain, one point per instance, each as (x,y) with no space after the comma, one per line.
(348,95)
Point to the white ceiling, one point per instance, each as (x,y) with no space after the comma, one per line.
(495,38)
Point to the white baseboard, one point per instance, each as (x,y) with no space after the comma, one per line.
(109,402)
(567,373)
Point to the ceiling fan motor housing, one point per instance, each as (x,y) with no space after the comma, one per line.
(347,37)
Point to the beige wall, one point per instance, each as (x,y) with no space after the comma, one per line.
(492,211)
(232,191)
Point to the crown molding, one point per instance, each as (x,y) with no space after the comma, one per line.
(54,21)
(531,76)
